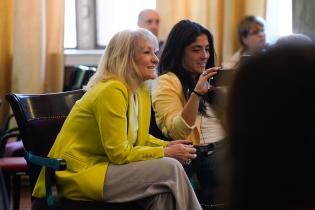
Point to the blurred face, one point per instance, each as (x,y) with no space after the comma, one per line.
(256,39)
(146,60)
(150,20)
(196,55)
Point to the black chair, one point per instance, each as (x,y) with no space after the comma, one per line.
(8,147)
(40,118)
(13,168)
(82,76)
(4,204)
(11,160)
(76,77)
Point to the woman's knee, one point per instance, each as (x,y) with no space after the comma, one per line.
(171,166)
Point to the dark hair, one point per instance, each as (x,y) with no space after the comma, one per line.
(183,34)
(271,133)
(294,39)
(246,25)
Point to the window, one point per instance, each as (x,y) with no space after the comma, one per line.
(70,33)
(278,19)
(90,24)
(112,17)
(98,20)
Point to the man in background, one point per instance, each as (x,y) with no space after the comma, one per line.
(150,19)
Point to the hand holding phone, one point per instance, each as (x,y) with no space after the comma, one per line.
(202,86)
(223,77)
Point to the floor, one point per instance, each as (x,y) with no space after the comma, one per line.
(25,202)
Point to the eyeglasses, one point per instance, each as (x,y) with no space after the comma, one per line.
(256,32)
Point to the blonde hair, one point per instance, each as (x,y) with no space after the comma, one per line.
(118,60)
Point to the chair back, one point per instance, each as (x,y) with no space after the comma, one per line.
(40,118)
(82,76)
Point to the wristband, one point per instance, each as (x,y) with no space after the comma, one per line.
(198,94)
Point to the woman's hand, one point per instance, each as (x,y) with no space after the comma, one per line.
(203,86)
(187,142)
(183,152)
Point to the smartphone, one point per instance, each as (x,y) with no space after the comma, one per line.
(224,77)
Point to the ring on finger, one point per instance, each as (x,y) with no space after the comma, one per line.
(204,73)
(188,161)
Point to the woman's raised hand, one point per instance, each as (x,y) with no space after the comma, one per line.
(203,86)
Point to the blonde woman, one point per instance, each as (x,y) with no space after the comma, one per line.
(105,141)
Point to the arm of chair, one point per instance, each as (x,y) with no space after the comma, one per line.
(7,133)
(56,164)
(51,166)
(13,133)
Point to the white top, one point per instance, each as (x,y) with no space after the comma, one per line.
(211,129)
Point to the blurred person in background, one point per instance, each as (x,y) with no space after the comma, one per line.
(150,19)
(251,34)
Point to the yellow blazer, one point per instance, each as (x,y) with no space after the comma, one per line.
(168,102)
(99,131)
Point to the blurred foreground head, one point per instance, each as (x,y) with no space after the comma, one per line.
(271,131)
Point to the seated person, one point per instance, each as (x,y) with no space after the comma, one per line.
(251,33)
(183,100)
(270,131)
(294,39)
(110,155)
(150,19)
